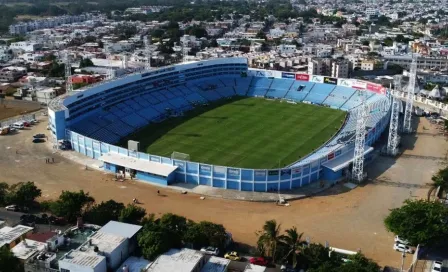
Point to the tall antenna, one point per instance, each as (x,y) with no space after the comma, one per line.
(148,53)
(68,73)
(110,70)
(360,140)
(407,124)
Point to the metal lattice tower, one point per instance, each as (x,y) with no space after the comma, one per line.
(392,144)
(407,124)
(110,71)
(148,53)
(68,74)
(360,139)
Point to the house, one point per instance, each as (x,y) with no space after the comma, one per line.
(25,46)
(179,260)
(27,248)
(10,237)
(85,79)
(12,73)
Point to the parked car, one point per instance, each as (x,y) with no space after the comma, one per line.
(233,255)
(18,125)
(403,248)
(38,140)
(400,240)
(210,250)
(59,221)
(436,266)
(34,121)
(26,124)
(258,261)
(39,136)
(13,208)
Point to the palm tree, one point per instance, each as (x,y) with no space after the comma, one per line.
(293,244)
(439,180)
(268,238)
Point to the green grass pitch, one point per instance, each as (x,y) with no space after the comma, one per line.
(243,132)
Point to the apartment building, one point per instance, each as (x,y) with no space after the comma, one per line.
(319,66)
(422,63)
(12,74)
(340,68)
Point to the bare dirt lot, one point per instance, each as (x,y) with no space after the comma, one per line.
(351,220)
(11,108)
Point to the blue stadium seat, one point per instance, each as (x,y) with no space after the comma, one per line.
(299,90)
(226,91)
(319,93)
(338,97)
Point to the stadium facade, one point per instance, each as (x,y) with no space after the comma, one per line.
(95,119)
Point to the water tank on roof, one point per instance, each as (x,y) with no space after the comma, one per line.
(96,249)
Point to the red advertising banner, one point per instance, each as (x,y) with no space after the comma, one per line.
(376,88)
(302,77)
(330,156)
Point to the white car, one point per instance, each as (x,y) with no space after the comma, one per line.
(436,266)
(403,248)
(13,208)
(400,240)
(210,250)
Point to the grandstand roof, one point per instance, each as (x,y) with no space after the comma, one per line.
(139,165)
(345,159)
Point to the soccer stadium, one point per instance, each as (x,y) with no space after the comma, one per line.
(219,123)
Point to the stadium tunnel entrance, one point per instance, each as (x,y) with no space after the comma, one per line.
(149,171)
(334,170)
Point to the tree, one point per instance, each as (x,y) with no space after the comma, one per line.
(269,238)
(8,262)
(71,205)
(3,192)
(104,212)
(132,214)
(419,221)
(359,263)
(440,179)
(85,63)
(196,31)
(315,255)
(261,35)
(155,242)
(174,223)
(292,243)
(365,43)
(23,194)
(56,70)
(205,234)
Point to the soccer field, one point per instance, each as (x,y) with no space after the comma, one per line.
(243,132)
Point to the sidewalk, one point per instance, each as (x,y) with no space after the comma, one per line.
(298,193)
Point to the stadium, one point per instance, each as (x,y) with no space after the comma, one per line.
(219,123)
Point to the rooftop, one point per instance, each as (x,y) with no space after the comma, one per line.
(138,164)
(254,268)
(27,248)
(8,234)
(183,260)
(134,264)
(106,242)
(41,237)
(216,264)
(82,258)
(121,229)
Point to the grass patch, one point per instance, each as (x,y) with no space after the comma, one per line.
(243,132)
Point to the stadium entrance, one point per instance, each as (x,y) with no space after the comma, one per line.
(150,171)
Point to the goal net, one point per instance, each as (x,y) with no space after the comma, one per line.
(180,156)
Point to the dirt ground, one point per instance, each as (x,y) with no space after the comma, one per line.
(7,111)
(351,220)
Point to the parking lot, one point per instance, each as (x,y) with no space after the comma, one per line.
(351,220)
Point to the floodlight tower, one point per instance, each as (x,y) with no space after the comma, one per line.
(392,144)
(407,124)
(68,73)
(148,53)
(360,139)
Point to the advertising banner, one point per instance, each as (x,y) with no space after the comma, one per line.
(317,79)
(273,172)
(286,172)
(345,82)
(233,171)
(205,168)
(331,80)
(264,73)
(260,173)
(330,156)
(288,75)
(296,170)
(303,77)
(376,88)
(358,84)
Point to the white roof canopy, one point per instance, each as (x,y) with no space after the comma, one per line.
(138,164)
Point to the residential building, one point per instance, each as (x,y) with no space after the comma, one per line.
(319,66)
(179,260)
(46,95)
(27,248)
(25,46)
(287,48)
(10,237)
(12,74)
(340,68)
(422,63)
(78,261)
(368,65)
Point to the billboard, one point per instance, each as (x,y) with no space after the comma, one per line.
(264,73)
(358,84)
(288,75)
(331,80)
(317,79)
(330,156)
(345,82)
(273,172)
(296,170)
(376,88)
(303,77)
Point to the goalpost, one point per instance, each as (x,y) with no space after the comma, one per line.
(180,156)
